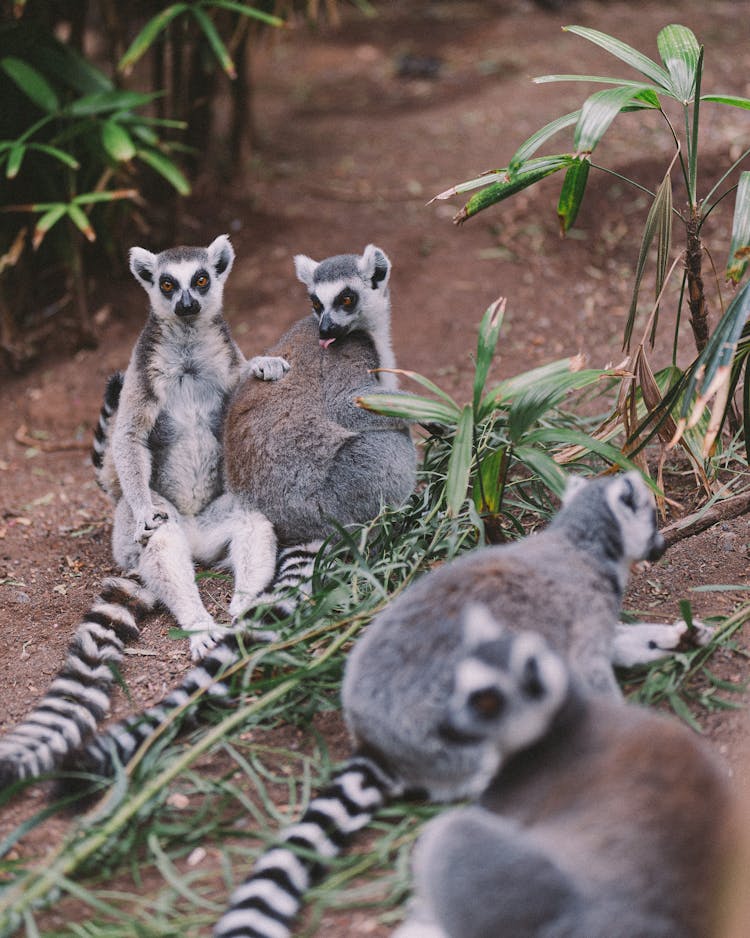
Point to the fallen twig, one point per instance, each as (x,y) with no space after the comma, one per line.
(23,437)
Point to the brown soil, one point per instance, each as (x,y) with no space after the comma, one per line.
(351,152)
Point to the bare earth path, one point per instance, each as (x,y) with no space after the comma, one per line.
(350,154)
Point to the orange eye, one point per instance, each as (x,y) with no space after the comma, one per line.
(167,286)
(201,281)
(347,301)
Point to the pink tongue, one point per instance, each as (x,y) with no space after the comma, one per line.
(324,343)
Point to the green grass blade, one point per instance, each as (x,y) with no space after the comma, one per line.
(571,195)
(31,82)
(410,407)
(166,168)
(214,40)
(489,331)
(659,225)
(739,248)
(626,54)
(497,192)
(148,34)
(680,52)
(530,146)
(459,464)
(539,463)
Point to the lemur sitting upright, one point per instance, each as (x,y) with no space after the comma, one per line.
(163,466)
(157,453)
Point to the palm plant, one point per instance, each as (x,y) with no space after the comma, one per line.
(674,82)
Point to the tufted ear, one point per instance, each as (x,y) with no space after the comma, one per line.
(142,264)
(374,266)
(221,256)
(572,488)
(480,625)
(305,267)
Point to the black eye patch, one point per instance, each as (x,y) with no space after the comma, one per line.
(316,304)
(346,300)
(628,496)
(201,281)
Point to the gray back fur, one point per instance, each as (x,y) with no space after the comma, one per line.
(612,825)
(564,583)
(300,450)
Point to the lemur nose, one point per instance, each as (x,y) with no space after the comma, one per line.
(187,305)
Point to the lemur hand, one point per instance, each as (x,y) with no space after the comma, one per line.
(146,523)
(267,367)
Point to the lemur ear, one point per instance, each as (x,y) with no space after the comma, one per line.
(480,625)
(572,488)
(374,266)
(221,256)
(305,267)
(142,266)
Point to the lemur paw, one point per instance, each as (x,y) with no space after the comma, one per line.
(202,642)
(696,635)
(268,367)
(146,524)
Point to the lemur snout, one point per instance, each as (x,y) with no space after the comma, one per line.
(187,305)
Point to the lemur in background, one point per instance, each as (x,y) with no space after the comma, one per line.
(157,453)
(605,820)
(566,582)
(302,452)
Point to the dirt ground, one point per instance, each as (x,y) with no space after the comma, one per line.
(351,151)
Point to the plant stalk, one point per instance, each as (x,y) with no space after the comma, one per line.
(696,293)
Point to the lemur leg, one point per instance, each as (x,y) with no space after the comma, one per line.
(246,537)
(165,565)
(644,642)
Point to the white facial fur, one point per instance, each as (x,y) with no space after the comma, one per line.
(632,504)
(182,267)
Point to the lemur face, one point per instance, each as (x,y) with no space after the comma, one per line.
(507,689)
(184,283)
(346,291)
(632,504)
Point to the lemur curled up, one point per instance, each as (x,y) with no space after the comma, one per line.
(605,820)
(566,582)
(301,451)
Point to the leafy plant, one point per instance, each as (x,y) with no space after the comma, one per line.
(676,82)
(506,446)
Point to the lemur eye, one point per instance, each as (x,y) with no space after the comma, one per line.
(347,302)
(167,286)
(487,703)
(316,304)
(201,281)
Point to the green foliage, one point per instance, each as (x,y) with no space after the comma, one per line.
(510,439)
(673,83)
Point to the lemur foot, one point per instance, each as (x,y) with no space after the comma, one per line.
(267,367)
(146,524)
(645,642)
(203,641)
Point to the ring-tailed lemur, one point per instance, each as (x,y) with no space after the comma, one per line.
(605,820)
(300,450)
(79,696)
(566,581)
(158,444)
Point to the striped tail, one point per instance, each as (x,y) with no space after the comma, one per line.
(79,696)
(101,434)
(118,744)
(265,905)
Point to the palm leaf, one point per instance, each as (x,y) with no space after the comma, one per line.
(489,331)
(459,464)
(530,146)
(626,54)
(598,112)
(739,249)
(148,34)
(680,52)
(410,407)
(214,40)
(31,82)
(571,195)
